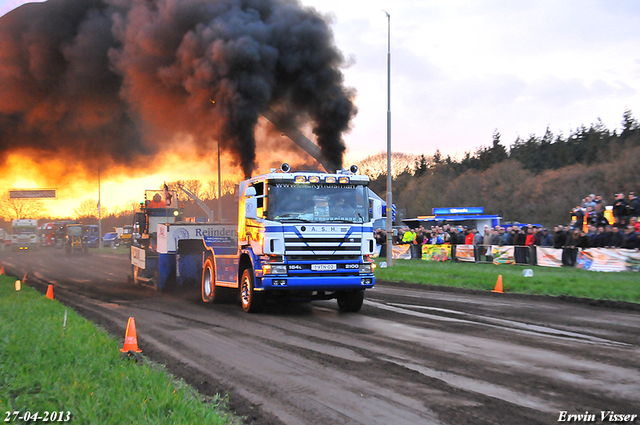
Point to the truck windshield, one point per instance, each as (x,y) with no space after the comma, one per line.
(23,230)
(317,203)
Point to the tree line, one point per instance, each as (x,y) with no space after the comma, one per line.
(536,180)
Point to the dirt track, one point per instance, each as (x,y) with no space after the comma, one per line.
(412,355)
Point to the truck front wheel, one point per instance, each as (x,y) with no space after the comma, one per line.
(251,300)
(350,302)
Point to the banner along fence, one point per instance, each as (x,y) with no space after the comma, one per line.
(595,259)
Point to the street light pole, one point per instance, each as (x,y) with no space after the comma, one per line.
(389,225)
(219,186)
(100,243)
(219,173)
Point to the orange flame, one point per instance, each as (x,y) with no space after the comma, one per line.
(120,185)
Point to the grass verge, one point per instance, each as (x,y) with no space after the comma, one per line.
(120,250)
(621,286)
(81,371)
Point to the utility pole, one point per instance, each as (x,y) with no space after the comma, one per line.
(219,186)
(100,243)
(389,192)
(219,173)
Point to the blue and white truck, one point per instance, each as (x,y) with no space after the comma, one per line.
(299,235)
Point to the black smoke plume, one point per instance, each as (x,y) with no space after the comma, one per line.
(118,81)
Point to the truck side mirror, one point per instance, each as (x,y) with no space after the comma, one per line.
(251,207)
(376,206)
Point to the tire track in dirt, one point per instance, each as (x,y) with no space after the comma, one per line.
(412,355)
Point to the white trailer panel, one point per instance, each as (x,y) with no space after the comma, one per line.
(219,234)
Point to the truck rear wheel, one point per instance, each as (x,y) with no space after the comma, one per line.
(250,299)
(350,302)
(209,290)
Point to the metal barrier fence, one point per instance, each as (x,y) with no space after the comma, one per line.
(600,259)
(510,254)
(467,253)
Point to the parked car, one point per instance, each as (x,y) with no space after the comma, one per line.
(91,235)
(111,239)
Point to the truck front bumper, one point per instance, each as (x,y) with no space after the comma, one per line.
(315,283)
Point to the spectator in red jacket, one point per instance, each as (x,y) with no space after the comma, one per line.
(529,240)
(468,240)
(634,222)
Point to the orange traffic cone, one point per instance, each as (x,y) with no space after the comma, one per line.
(18,285)
(130,338)
(50,292)
(498,285)
(2,270)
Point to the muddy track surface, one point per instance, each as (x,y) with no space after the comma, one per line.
(411,356)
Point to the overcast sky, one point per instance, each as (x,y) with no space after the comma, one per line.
(461,69)
(7,5)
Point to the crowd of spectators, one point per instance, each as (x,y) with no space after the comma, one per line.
(592,210)
(461,235)
(589,228)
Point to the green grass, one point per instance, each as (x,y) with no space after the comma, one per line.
(622,286)
(120,250)
(83,372)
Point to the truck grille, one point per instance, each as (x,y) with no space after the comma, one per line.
(319,246)
(323,257)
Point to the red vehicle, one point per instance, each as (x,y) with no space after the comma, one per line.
(46,234)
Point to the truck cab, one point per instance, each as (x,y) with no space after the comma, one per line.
(307,234)
(24,234)
(46,234)
(159,208)
(75,239)
(91,235)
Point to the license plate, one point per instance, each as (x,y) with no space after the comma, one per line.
(323,267)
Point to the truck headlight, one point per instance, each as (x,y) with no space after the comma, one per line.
(274,269)
(366,268)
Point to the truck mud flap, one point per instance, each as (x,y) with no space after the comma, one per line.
(189,261)
(190,246)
